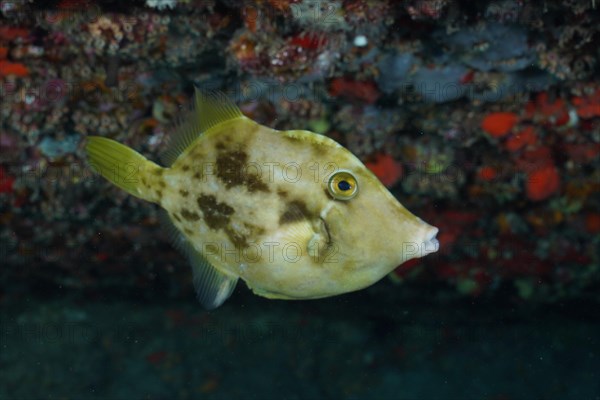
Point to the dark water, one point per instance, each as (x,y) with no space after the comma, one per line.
(364,346)
(482,119)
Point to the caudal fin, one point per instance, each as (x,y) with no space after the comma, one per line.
(122,166)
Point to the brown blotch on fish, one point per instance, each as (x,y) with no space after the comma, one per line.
(216,215)
(295,210)
(289,138)
(162,184)
(239,240)
(254,229)
(319,149)
(189,215)
(159,194)
(253,184)
(282,193)
(230,169)
(158,171)
(220,146)
(176,217)
(188,232)
(185,168)
(183,192)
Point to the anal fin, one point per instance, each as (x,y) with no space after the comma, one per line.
(212,286)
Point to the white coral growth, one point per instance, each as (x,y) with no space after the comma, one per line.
(161,4)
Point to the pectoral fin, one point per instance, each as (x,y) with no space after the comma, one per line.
(299,227)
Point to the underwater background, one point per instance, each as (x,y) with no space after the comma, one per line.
(482,118)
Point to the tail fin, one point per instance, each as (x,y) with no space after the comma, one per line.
(122,166)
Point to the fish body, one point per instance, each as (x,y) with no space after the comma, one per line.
(292,213)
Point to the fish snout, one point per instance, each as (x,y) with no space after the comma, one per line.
(423,242)
(430,244)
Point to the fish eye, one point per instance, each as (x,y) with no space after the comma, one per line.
(342,185)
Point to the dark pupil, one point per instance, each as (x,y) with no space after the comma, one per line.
(344,185)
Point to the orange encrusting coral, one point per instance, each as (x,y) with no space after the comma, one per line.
(522,139)
(365,91)
(250,16)
(542,183)
(549,107)
(499,124)
(487,173)
(6,181)
(534,159)
(10,68)
(11,33)
(588,106)
(388,170)
(582,152)
(589,111)
(309,41)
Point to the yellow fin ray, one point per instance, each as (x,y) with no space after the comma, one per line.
(209,110)
(119,164)
(212,286)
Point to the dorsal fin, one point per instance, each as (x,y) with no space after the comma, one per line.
(212,286)
(209,109)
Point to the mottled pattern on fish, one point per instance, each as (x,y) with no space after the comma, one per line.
(254,203)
